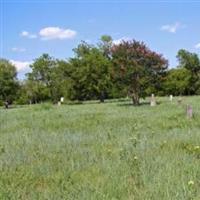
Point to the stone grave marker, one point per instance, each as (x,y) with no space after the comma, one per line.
(6,104)
(153,100)
(171,97)
(189,112)
(62,99)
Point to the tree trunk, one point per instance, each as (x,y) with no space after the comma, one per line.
(101,100)
(135,99)
(102,97)
(135,89)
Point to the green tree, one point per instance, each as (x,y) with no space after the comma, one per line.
(114,90)
(34,91)
(8,81)
(177,81)
(137,67)
(90,73)
(105,45)
(191,62)
(42,76)
(61,80)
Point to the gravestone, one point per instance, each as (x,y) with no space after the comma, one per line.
(62,99)
(171,97)
(189,112)
(6,104)
(153,100)
(59,103)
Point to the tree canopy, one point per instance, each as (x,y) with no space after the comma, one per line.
(100,71)
(137,67)
(8,81)
(90,74)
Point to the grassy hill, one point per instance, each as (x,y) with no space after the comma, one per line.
(110,151)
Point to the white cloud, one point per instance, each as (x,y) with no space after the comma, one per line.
(172,28)
(18,49)
(28,35)
(120,40)
(24,33)
(197,46)
(21,65)
(49,33)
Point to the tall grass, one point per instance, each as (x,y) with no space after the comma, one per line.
(110,151)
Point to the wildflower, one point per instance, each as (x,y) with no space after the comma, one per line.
(190,182)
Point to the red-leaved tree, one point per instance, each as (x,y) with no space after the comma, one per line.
(137,67)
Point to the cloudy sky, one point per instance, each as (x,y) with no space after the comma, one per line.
(29,28)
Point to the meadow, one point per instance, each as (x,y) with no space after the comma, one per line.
(101,151)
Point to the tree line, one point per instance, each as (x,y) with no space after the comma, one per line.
(102,71)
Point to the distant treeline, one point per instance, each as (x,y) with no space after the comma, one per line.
(101,71)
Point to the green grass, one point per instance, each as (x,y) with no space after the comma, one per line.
(110,151)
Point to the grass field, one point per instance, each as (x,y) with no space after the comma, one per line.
(110,151)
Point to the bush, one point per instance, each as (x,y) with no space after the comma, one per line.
(1,103)
(21,101)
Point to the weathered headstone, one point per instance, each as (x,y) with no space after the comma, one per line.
(189,112)
(6,104)
(59,103)
(62,99)
(153,100)
(171,97)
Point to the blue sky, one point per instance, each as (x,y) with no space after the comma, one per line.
(30,28)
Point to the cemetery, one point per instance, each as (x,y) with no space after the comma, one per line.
(99,100)
(101,151)
(113,122)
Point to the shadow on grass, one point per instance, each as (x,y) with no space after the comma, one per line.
(119,102)
(132,105)
(96,102)
(144,103)
(13,107)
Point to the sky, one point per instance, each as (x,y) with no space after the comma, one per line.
(29,28)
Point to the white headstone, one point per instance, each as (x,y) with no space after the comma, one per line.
(59,103)
(171,97)
(62,99)
(153,101)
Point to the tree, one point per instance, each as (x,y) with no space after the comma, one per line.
(177,81)
(42,75)
(191,62)
(61,80)
(105,45)
(90,73)
(8,81)
(34,91)
(136,66)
